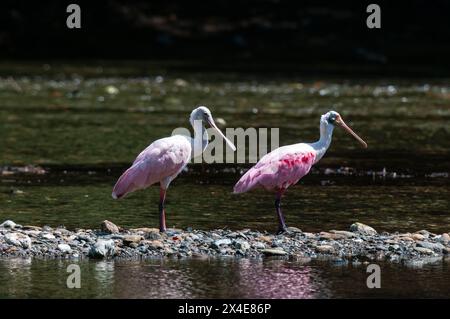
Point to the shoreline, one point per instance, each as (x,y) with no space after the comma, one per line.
(359,243)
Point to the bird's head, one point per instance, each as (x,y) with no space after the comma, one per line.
(203,114)
(333,118)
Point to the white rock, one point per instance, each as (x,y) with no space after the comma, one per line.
(47,236)
(102,248)
(64,248)
(18,239)
(220,242)
(8,224)
(274,252)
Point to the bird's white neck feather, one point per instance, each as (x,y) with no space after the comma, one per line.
(200,140)
(321,146)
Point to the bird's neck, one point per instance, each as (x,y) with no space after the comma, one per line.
(200,140)
(321,146)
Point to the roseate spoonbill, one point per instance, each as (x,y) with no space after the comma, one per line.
(286,165)
(165,158)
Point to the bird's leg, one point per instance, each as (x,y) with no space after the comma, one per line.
(162,210)
(281,224)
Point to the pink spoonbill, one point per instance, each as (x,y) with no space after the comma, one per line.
(165,158)
(286,165)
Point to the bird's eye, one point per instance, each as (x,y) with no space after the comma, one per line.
(332,119)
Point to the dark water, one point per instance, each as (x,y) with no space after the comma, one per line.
(228,278)
(85,124)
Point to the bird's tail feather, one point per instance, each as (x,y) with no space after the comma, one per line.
(246,182)
(127,183)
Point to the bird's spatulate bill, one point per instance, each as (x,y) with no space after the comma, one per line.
(229,143)
(349,130)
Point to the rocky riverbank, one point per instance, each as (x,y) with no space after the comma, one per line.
(360,242)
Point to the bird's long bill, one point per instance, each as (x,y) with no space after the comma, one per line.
(349,130)
(214,126)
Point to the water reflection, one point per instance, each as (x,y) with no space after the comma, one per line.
(221,278)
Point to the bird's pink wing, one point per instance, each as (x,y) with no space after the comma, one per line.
(164,158)
(277,170)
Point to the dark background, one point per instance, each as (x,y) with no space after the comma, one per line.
(414,38)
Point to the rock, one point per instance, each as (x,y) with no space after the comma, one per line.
(363,229)
(220,242)
(148,233)
(330,236)
(293,230)
(102,248)
(347,234)
(173,232)
(8,224)
(47,236)
(424,251)
(274,252)
(129,239)
(157,244)
(258,245)
(425,233)
(64,248)
(417,236)
(35,228)
(446,251)
(267,239)
(445,238)
(18,239)
(325,249)
(242,245)
(109,227)
(433,246)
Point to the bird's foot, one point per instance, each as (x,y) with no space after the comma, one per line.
(282,230)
